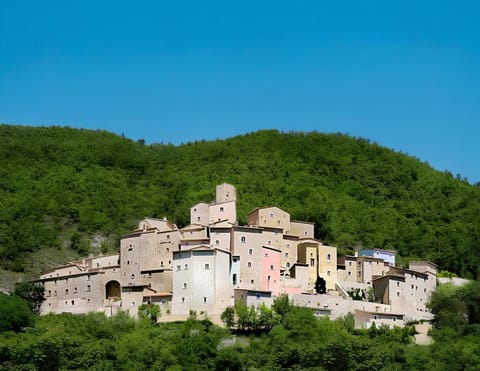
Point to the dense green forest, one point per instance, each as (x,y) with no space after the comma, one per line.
(293,340)
(71,192)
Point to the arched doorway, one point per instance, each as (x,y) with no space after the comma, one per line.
(112,290)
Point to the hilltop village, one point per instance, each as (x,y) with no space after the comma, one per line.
(213,262)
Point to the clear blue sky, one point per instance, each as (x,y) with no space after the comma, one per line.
(403,73)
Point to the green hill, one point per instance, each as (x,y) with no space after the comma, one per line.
(67,192)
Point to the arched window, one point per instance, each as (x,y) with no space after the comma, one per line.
(221,209)
(112,289)
(243,239)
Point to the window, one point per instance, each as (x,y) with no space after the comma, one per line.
(75,290)
(204,299)
(183,300)
(207,266)
(194,210)
(250,251)
(398,284)
(133,276)
(286,254)
(350,264)
(329,273)
(132,303)
(249,264)
(73,302)
(252,281)
(168,237)
(55,293)
(349,273)
(128,262)
(268,278)
(234,279)
(49,293)
(66,291)
(221,209)
(88,277)
(266,254)
(217,242)
(198,219)
(272,267)
(89,288)
(257,296)
(312,262)
(243,239)
(375,317)
(184,285)
(178,268)
(398,293)
(186,266)
(329,258)
(288,265)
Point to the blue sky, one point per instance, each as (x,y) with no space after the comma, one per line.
(405,74)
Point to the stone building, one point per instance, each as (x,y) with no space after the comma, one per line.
(209,264)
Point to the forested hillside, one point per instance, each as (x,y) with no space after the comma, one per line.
(66,188)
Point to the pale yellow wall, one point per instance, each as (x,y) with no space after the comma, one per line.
(223,211)
(130,248)
(193,232)
(225,192)
(350,272)
(307,254)
(289,252)
(273,217)
(248,247)
(327,267)
(370,267)
(199,214)
(302,229)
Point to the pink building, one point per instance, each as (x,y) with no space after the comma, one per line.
(271,269)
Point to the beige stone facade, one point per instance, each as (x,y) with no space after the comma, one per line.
(213,261)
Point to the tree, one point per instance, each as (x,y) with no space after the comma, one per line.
(15,313)
(149,311)
(282,305)
(32,293)
(228,317)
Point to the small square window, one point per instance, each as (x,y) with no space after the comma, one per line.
(207,266)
